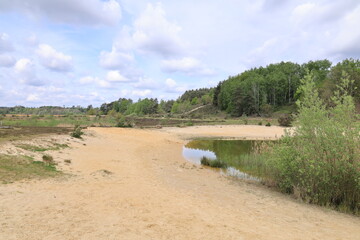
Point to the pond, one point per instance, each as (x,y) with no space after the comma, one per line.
(241,156)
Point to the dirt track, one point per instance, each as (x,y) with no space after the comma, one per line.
(134,184)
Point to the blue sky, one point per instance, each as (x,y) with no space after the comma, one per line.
(65,52)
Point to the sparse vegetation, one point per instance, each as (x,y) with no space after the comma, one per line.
(14,168)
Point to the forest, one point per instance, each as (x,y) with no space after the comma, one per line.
(260,91)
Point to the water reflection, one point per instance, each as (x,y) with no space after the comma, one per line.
(228,150)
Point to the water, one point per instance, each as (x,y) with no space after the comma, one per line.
(229,151)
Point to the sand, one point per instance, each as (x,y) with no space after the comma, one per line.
(134,184)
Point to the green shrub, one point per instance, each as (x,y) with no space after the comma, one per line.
(320,160)
(48,158)
(77,132)
(213,163)
(268,124)
(260,123)
(285,120)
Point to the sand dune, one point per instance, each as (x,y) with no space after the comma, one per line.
(134,184)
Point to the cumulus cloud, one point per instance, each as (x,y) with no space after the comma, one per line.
(115,59)
(94,80)
(32,98)
(115,76)
(173,87)
(186,65)
(89,12)
(25,69)
(347,40)
(5,43)
(54,60)
(146,83)
(7,60)
(141,93)
(155,34)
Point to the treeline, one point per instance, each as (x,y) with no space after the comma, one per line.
(151,106)
(266,89)
(257,92)
(44,110)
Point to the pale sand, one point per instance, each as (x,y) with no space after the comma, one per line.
(153,193)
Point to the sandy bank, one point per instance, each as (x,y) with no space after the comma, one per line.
(134,184)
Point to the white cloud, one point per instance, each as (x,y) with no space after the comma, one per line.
(186,65)
(7,60)
(115,76)
(5,43)
(173,87)
(25,69)
(94,80)
(115,59)
(146,83)
(347,40)
(171,83)
(142,93)
(155,34)
(91,12)
(32,98)
(54,60)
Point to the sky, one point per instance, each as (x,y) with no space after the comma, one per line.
(66,52)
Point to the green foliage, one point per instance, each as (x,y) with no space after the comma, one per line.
(320,160)
(268,124)
(285,120)
(48,159)
(213,163)
(77,133)
(14,168)
(122,122)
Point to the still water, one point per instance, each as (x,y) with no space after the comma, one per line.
(226,150)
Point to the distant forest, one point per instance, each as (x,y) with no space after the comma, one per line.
(255,92)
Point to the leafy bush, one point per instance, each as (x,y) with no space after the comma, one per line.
(212,163)
(286,120)
(320,160)
(77,132)
(123,123)
(260,123)
(268,124)
(48,159)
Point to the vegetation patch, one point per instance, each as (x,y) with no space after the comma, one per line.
(15,168)
(77,133)
(216,163)
(34,148)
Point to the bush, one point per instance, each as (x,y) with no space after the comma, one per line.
(260,123)
(320,160)
(268,124)
(286,120)
(77,132)
(48,159)
(123,123)
(213,163)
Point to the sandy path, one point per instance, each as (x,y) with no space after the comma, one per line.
(152,193)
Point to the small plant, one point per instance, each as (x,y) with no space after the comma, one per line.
(245,121)
(189,124)
(260,123)
(48,158)
(205,161)
(77,132)
(212,163)
(67,161)
(285,120)
(268,124)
